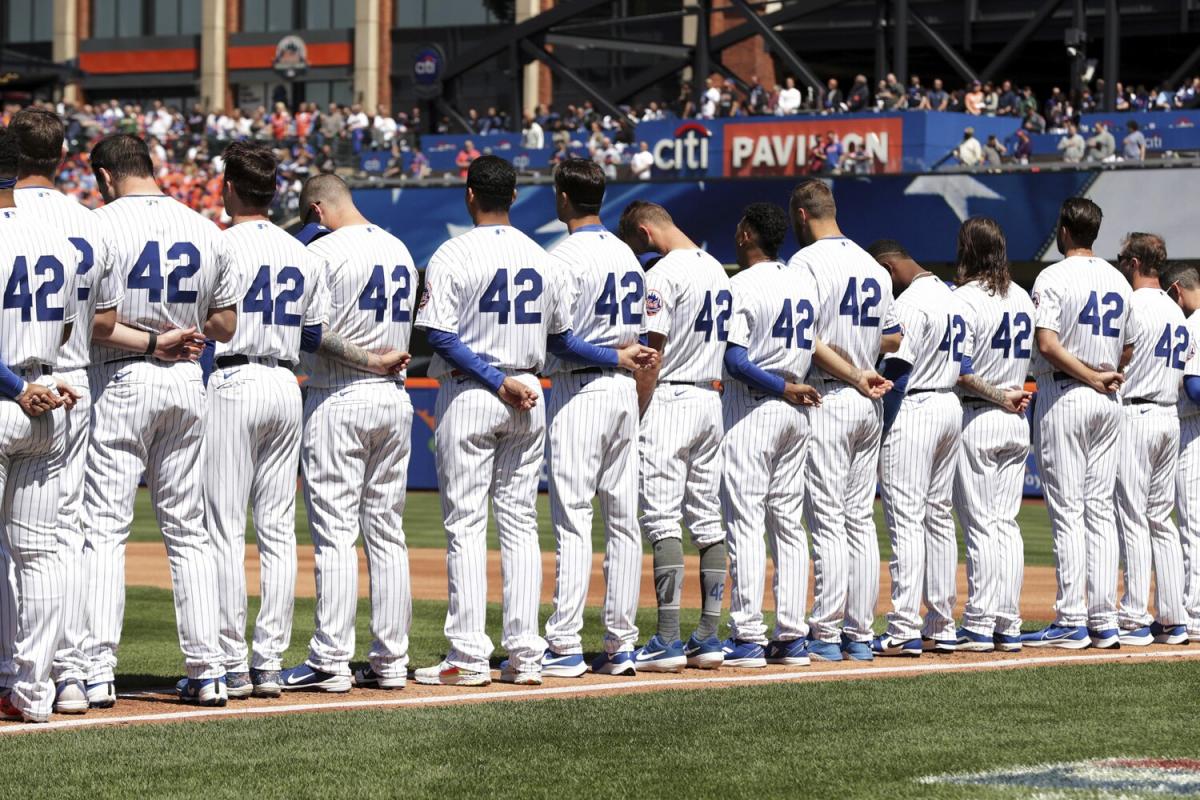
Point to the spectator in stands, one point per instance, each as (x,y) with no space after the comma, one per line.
(1033,121)
(712,96)
(969,152)
(653,112)
(1141,99)
(885,98)
(642,162)
(860,95)
(1188,96)
(304,119)
(1101,145)
(756,98)
(384,127)
(332,123)
(833,102)
(684,107)
(916,99)
(991,99)
(1072,146)
(973,99)
(532,136)
(856,160)
(356,126)
(1087,102)
(1133,146)
(1123,101)
(281,122)
(1008,103)
(326,162)
(789,97)
(465,157)
(474,123)
(832,150)
(1028,101)
(937,98)
(994,151)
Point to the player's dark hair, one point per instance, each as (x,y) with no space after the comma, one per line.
(124,156)
(815,197)
(1081,219)
(769,224)
(1185,274)
(887,247)
(493,180)
(1147,248)
(641,212)
(582,181)
(39,136)
(9,154)
(251,169)
(983,255)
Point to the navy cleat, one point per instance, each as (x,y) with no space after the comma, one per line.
(569,665)
(797,652)
(704,654)
(1066,637)
(890,646)
(614,664)
(1137,637)
(739,653)
(1169,634)
(267,682)
(303,678)
(659,656)
(968,641)
(1107,639)
(1007,642)
(931,645)
(202,691)
(368,678)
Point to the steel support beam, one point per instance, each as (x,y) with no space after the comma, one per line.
(568,74)
(1018,41)
(1112,53)
(1185,69)
(881,65)
(700,68)
(900,40)
(777,45)
(943,47)
(450,111)
(622,45)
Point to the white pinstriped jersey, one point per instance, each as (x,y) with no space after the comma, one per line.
(371,281)
(854,298)
(97,285)
(603,288)
(936,335)
(37,273)
(285,290)
(173,263)
(1002,327)
(1160,348)
(491,286)
(688,299)
(774,317)
(1191,365)
(1087,302)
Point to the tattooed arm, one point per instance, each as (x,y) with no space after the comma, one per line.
(1014,401)
(336,348)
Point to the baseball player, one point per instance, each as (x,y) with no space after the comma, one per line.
(149,415)
(355,449)
(771,345)
(853,308)
(252,440)
(1182,281)
(1149,446)
(989,480)
(37,267)
(1084,333)
(688,306)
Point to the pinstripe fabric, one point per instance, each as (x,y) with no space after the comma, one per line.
(843,453)
(685,304)
(1187,484)
(1076,432)
(1145,496)
(592,423)
(989,480)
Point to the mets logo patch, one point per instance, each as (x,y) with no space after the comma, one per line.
(425,295)
(653,302)
(1036,298)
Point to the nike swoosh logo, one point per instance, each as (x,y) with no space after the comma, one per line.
(291,682)
(649,656)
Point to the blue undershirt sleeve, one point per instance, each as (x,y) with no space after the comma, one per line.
(897,371)
(1191,386)
(458,355)
(11,384)
(570,347)
(739,365)
(310,338)
(967,367)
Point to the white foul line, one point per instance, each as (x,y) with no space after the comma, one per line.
(618,685)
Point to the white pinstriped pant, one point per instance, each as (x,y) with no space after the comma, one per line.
(593,430)
(486,447)
(252,456)
(357,440)
(1076,431)
(762,491)
(1145,499)
(988,486)
(916,475)
(680,454)
(1187,485)
(842,464)
(30,484)
(149,416)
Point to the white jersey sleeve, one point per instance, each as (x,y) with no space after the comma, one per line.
(1191,366)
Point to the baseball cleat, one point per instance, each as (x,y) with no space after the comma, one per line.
(659,656)
(519,677)
(1169,634)
(931,645)
(886,645)
(1137,637)
(1109,638)
(303,678)
(1066,637)
(368,678)
(102,694)
(70,697)
(202,691)
(446,674)
(614,664)
(815,648)
(9,711)
(855,650)
(796,652)
(743,654)
(968,641)
(238,685)
(568,665)
(1007,642)
(267,682)
(706,654)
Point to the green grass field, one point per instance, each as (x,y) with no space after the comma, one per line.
(423,526)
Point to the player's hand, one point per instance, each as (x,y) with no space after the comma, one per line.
(517,394)
(69,394)
(801,394)
(637,356)
(391,362)
(873,385)
(37,400)
(1108,382)
(180,344)
(1016,401)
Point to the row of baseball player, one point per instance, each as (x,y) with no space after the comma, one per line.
(638,425)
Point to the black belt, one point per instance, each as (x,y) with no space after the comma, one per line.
(225,362)
(591,371)
(685,383)
(977,402)
(925,391)
(45,369)
(1062,376)
(131,359)
(1144,401)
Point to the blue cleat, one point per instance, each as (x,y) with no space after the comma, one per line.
(816,648)
(1066,637)
(931,645)
(570,665)
(1137,637)
(889,646)
(1169,634)
(303,678)
(202,691)
(659,656)
(1109,638)
(614,664)
(856,651)
(794,652)
(739,653)
(968,641)
(1007,642)
(706,654)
